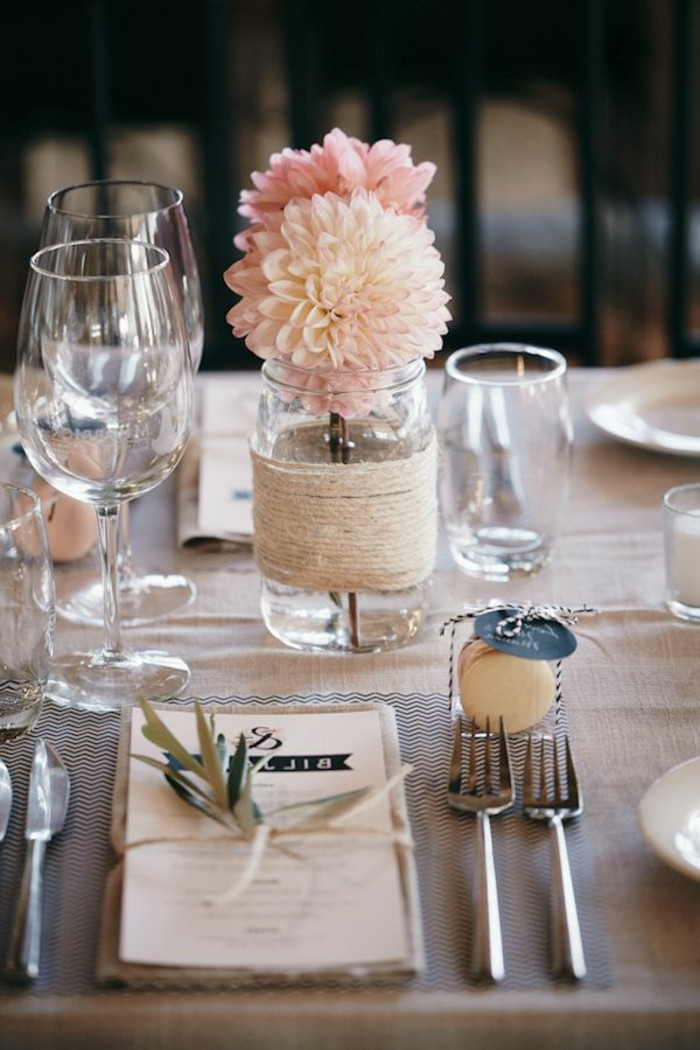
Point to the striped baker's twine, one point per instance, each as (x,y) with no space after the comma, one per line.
(365,526)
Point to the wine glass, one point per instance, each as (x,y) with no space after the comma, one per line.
(143,211)
(26,610)
(104,405)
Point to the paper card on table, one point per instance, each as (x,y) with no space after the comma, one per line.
(331,901)
(230,406)
(226,489)
(216,480)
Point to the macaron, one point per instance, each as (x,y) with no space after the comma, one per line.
(71,526)
(494,684)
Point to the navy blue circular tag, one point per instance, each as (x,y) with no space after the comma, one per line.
(534,639)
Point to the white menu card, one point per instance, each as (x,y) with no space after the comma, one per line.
(229,412)
(338,901)
(226,489)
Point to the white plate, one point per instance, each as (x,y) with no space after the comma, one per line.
(654,405)
(669,816)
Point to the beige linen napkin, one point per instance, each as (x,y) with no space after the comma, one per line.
(112,971)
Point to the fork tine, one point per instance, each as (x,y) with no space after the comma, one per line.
(554,807)
(503,757)
(555,763)
(527,776)
(455,781)
(487,757)
(472,783)
(571,778)
(543,777)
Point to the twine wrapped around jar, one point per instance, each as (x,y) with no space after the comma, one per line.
(346,527)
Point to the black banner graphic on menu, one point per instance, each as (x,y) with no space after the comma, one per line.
(289,763)
(305,763)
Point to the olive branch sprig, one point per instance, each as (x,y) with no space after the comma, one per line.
(220,785)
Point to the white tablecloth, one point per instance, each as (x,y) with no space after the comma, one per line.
(633,701)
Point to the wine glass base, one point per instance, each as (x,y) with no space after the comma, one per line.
(142,599)
(95,683)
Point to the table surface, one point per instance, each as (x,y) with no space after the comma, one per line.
(634,712)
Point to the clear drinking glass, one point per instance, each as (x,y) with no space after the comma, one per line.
(143,211)
(103,398)
(26,610)
(506,436)
(682,550)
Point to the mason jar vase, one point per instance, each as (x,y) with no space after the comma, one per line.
(345,505)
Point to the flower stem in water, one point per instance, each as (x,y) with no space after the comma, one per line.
(341,449)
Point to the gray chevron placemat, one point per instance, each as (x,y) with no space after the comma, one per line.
(79,860)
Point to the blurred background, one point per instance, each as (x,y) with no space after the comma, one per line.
(568,181)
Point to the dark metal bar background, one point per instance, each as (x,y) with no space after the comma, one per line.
(469,36)
(380,44)
(592,94)
(297,26)
(582,335)
(99,74)
(679,263)
(218,139)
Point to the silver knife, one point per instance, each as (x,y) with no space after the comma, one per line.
(49,788)
(5,799)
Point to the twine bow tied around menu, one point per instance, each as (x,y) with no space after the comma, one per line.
(515,618)
(228,799)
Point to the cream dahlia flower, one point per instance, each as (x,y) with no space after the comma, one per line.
(339,166)
(341,284)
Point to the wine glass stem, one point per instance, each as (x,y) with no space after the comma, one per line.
(108,523)
(125,558)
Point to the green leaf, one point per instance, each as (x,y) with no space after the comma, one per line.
(221,747)
(175,774)
(327,807)
(245,810)
(210,758)
(197,803)
(188,791)
(336,599)
(245,815)
(237,769)
(158,733)
(260,763)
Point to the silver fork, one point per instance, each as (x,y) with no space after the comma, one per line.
(497,797)
(566,802)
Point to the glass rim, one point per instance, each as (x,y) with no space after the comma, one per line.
(395,375)
(162,256)
(51,200)
(677,490)
(482,351)
(32,511)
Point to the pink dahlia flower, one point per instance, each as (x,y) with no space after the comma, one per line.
(349,394)
(339,166)
(341,284)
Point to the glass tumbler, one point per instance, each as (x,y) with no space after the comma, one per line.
(506,436)
(682,549)
(26,610)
